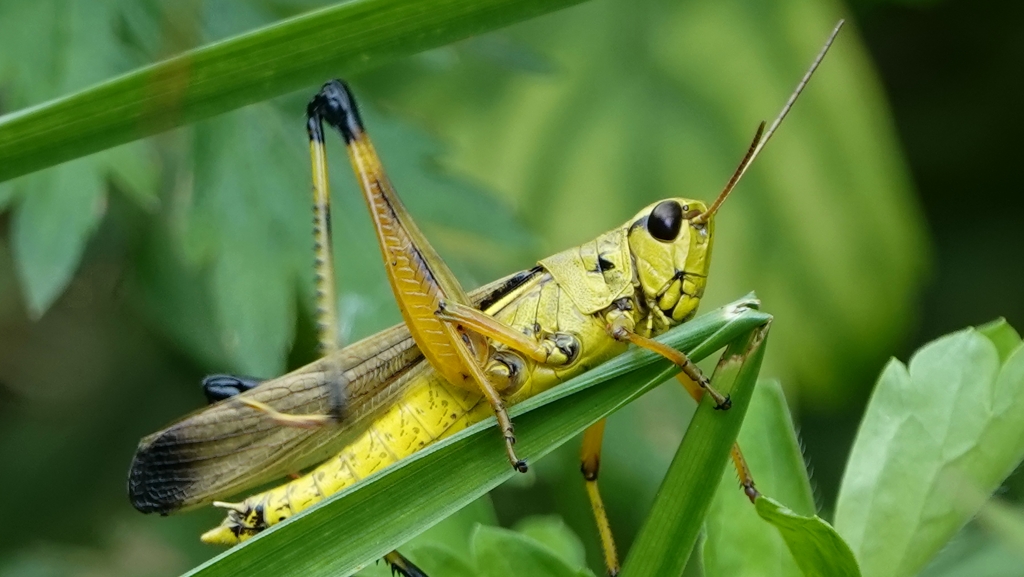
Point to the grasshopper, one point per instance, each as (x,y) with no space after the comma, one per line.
(459,357)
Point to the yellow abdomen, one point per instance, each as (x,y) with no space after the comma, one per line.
(429,410)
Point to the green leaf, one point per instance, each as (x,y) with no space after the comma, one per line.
(738,542)
(973,553)
(439,560)
(670,531)
(358,525)
(62,46)
(1003,336)
(249,68)
(249,222)
(655,99)
(817,548)
(60,210)
(505,553)
(937,438)
(453,532)
(553,533)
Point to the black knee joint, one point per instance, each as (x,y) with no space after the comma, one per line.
(337,107)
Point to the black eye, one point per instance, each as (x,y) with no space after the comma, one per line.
(665,220)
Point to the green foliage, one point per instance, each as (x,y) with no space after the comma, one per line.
(503,553)
(238,217)
(973,553)
(63,46)
(939,436)
(577,120)
(539,545)
(816,547)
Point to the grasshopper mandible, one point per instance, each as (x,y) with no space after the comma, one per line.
(458,357)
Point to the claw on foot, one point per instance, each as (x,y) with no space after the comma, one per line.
(725,404)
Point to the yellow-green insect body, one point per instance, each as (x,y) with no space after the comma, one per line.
(626,277)
(460,357)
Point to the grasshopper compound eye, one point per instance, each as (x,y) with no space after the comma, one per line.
(665,221)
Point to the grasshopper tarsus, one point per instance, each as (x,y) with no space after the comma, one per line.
(725,404)
(521,466)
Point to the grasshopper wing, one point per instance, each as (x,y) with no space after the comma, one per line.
(228,447)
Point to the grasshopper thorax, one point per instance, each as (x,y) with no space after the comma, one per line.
(671,254)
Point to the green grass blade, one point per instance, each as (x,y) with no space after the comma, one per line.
(357,526)
(306,50)
(670,531)
(738,543)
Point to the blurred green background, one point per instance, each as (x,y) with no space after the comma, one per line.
(883,215)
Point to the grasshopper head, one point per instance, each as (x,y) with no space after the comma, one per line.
(670,242)
(671,249)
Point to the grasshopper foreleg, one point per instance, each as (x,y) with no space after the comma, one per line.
(619,329)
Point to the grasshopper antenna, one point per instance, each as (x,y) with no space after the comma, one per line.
(758,145)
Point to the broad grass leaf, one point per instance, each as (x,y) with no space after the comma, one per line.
(738,542)
(938,436)
(251,67)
